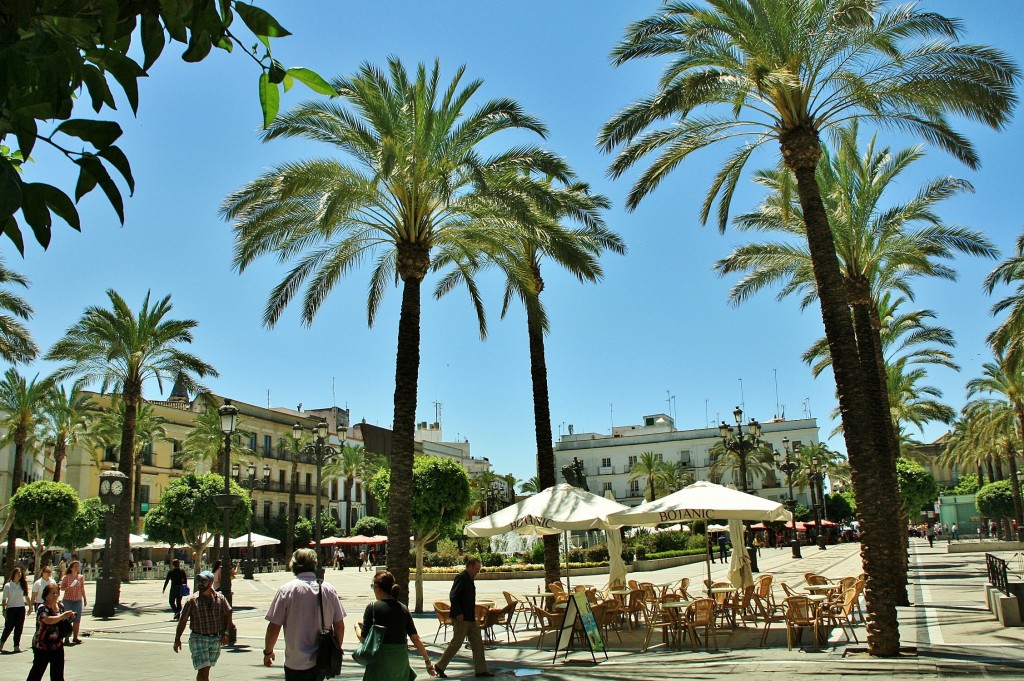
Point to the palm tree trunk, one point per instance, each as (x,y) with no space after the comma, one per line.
(349,482)
(868,327)
(542,429)
(120,521)
(407,367)
(864,435)
(991,469)
(60,449)
(16,475)
(137,490)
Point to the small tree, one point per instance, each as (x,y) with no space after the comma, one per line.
(188,513)
(305,528)
(968,484)
(43,510)
(84,527)
(439,503)
(370,526)
(838,508)
(995,500)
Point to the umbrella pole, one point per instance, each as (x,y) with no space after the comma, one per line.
(565,534)
(707,561)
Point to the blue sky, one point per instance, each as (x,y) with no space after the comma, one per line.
(658,327)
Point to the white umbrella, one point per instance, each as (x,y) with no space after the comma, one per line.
(703,501)
(558,509)
(740,573)
(134,541)
(258,540)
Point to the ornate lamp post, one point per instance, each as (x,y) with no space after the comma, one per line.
(735,441)
(251,483)
(321,452)
(788,466)
(226,502)
(815,477)
(112,486)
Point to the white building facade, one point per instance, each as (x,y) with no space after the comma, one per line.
(608,459)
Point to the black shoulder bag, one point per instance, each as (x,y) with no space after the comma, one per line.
(328,652)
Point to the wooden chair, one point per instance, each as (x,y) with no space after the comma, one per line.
(799,615)
(813,579)
(520,607)
(788,590)
(681,588)
(631,584)
(444,618)
(500,617)
(558,591)
(666,619)
(775,615)
(700,613)
(723,604)
(742,604)
(594,596)
(763,598)
(547,621)
(608,613)
(635,607)
(650,598)
(841,614)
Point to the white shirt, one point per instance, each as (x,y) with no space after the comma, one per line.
(37,589)
(14,597)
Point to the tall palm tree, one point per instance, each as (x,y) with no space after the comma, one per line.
(1008,338)
(16,344)
(786,72)
(531,485)
(66,418)
(677,476)
(654,471)
(293,448)
(1005,379)
(353,463)
(149,427)
(880,247)
(416,181)
(519,255)
(121,349)
(21,403)
(204,443)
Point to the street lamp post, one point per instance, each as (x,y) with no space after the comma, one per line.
(736,442)
(112,486)
(814,475)
(251,483)
(227,501)
(788,466)
(321,453)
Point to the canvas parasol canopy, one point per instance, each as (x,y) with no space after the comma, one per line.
(558,509)
(707,501)
(134,541)
(258,540)
(353,540)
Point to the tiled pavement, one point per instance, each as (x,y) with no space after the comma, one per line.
(948,633)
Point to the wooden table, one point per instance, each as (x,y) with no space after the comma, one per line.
(681,606)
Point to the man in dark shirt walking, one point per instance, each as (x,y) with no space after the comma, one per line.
(463,614)
(176,577)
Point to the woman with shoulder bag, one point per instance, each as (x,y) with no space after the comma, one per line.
(52,620)
(73,586)
(391,663)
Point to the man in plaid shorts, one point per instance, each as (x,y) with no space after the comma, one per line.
(210,617)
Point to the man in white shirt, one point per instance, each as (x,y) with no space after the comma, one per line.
(45,577)
(296,608)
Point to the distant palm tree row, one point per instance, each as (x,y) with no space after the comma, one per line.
(420,186)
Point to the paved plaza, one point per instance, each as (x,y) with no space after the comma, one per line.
(948,633)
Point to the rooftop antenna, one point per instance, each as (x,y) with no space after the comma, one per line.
(437,412)
(334,397)
(706,423)
(777,411)
(611,415)
(743,400)
(268,398)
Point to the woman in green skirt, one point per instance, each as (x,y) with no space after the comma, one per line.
(392,661)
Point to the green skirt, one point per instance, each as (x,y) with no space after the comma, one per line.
(390,664)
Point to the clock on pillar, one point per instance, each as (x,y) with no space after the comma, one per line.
(112,486)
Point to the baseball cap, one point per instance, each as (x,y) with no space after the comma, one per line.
(205,576)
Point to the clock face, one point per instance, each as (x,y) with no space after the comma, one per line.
(116,487)
(105,487)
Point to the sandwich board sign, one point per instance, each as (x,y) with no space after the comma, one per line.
(578,610)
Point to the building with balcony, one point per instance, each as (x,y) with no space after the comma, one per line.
(608,459)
